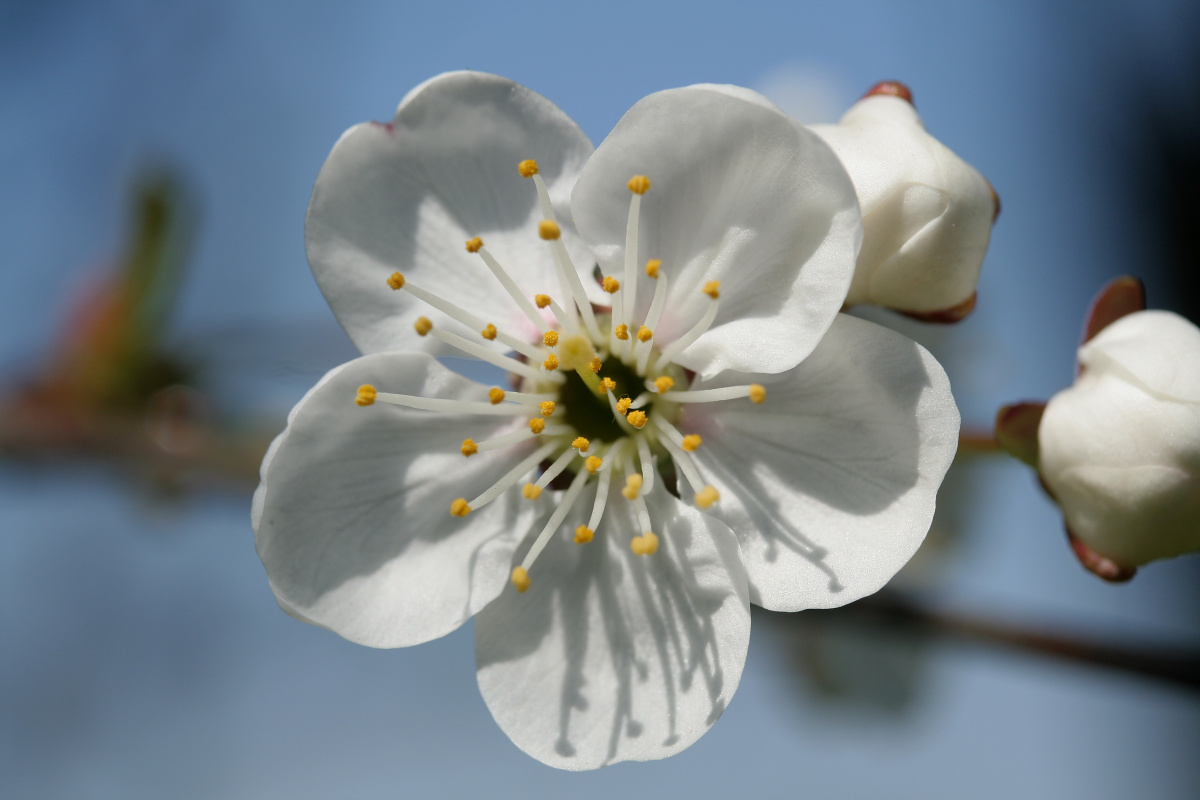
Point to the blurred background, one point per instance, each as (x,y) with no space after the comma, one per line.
(158,320)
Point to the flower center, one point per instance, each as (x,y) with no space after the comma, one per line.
(598,391)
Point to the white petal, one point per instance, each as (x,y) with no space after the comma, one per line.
(830,483)
(614,657)
(738,194)
(407,195)
(1158,350)
(1124,464)
(352,517)
(927,214)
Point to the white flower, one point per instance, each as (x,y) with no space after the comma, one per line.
(819,438)
(927,214)
(1120,450)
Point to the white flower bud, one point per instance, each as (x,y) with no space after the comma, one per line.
(927,214)
(1120,450)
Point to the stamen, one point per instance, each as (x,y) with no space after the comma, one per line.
(647,462)
(487,330)
(652,317)
(496,395)
(547,408)
(460,508)
(560,513)
(508,283)
(520,579)
(663,383)
(583,534)
(423,326)
(633,485)
(618,414)
(707,496)
(595,364)
(637,418)
(606,385)
(564,319)
(593,463)
(712,289)
(486,409)
(716,395)
(555,469)
(549,230)
(606,472)
(531,491)
(551,363)
(482,352)
(611,285)
(622,332)
(473,246)
(528,168)
(396,281)
(366,395)
(513,475)
(692,442)
(542,300)
(638,186)
(679,345)
(645,334)
(537,425)
(644,545)
(652,267)
(550,338)
(581,444)
(469,448)
(623,405)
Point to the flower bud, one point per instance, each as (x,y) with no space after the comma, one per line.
(927,214)
(1120,450)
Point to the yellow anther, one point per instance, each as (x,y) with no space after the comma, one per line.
(396,281)
(469,448)
(423,325)
(644,545)
(537,424)
(707,496)
(645,334)
(637,418)
(496,395)
(473,245)
(532,491)
(551,363)
(459,507)
(547,408)
(606,385)
(595,364)
(550,338)
(593,463)
(366,395)
(663,383)
(489,332)
(542,300)
(623,405)
(652,267)
(520,578)
(633,485)
(639,184)
(622,332)
(575,351)
(583,534)
(581,444)
(692,442)
(758,393)
(610,284)
(548,229)
(528,168)
(712,289)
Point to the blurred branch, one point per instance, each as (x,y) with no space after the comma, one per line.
(977,440)
(1176,665)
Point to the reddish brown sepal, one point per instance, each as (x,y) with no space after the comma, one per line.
(1121,296)
(892,89)
(946,316)
(1100,566)
(1017,430)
